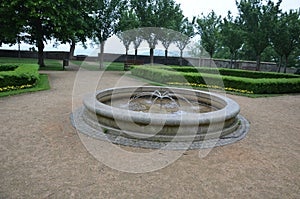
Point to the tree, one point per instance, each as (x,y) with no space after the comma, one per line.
(286,35)
(137,39)
(231,36)
(183,38)
(257,19)
(166,37)
(209,30)
(157,13)
(39,20)
(106,15)
(10,25)
(151,36)
(126,38)
(128,32)
(78,24)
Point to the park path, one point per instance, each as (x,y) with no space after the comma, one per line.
(42,155)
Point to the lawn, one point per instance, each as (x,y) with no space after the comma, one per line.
(52,64)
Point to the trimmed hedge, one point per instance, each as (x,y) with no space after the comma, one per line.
(23,74)
(231,72)
(257,86)
(7,67)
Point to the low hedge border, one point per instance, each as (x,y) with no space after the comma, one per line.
(23,74)
(256,86)
(230,72)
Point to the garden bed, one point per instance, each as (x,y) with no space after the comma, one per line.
(18,76)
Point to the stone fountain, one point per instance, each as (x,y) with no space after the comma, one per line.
(161,117)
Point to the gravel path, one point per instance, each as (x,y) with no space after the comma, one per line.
(42,156)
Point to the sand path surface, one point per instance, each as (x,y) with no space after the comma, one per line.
(42,155)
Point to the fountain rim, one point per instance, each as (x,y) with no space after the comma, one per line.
(230,110)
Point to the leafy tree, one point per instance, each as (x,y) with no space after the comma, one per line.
(39,20)
(106,15)
(137,39)
(256,18)
(127,26)
(78,24)
(286,35)
(183,38)
(232,36)
(126,38)
(151,36)
(166,37)
(209,29)
(10,25)
(157,13)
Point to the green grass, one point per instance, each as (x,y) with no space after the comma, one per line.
(42,84)
(51,64)
(94,66)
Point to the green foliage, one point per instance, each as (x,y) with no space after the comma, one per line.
(106,15)
(257,86)
(231,72)
(285,36)
(7,67)
(232,35)
(209,30)
(158,13)
(41,84)
(24,74)
(256,19)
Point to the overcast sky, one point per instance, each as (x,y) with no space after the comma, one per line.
(221,7)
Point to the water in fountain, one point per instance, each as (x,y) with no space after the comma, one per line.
(160,102)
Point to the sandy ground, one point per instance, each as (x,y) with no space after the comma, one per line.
(42,156)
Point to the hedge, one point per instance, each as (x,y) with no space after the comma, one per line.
(257,86)
(7,67)
(230,72)
(23,74)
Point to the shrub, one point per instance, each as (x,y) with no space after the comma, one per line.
(24,74)
(7,67)
(231,72)
(257,86)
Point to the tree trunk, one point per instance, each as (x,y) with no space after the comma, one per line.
(235,60)
(19,49)
(102,55)
(231,61)
(280,63)
(135,53)
(126,54)
(286,63)
(258,63)
(151,56)
(166,56)
(181,55)
(40,46)
(72,49)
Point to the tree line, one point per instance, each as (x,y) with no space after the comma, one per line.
(261,31)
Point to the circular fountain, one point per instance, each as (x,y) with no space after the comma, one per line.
(153,117)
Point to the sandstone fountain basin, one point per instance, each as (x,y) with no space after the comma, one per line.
(161,117)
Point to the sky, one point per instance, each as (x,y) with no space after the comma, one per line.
(190,9)
(221,7)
